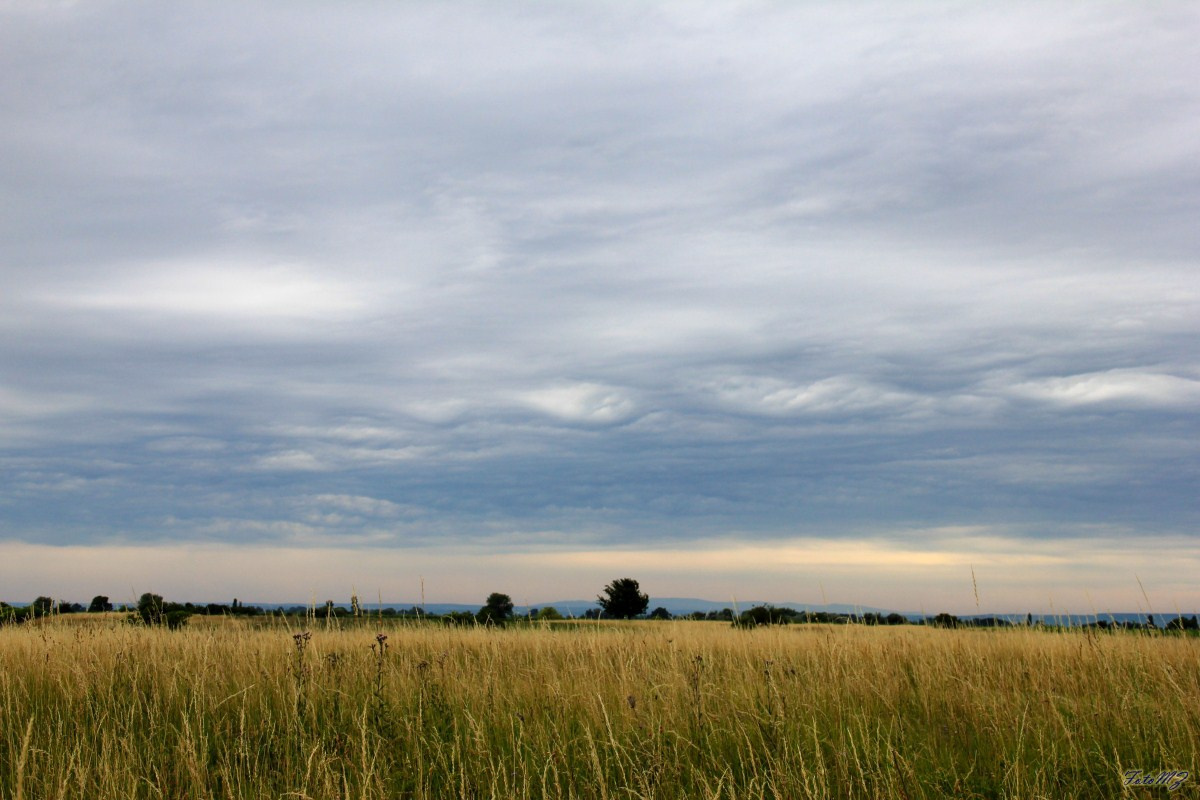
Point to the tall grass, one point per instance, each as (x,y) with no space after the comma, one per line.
(654,710)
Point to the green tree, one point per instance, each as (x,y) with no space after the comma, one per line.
(498,608)
(660,613)
(766,615)
(42,606)
(176,618)
(944,620)
(549,613)
(150,608)
(623,599)
(100,603)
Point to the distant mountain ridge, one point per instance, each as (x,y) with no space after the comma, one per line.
(686,605)
(679,606)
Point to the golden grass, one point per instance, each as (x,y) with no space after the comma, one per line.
(654,710)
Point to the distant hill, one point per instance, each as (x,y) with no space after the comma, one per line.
(577,608)
(685,605)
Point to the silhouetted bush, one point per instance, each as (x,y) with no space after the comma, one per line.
(766,615)
(1182,623)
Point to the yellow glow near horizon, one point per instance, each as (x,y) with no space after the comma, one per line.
(1011,574)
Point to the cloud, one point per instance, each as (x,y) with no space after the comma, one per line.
(18,404)
(1116,388)
(582,402)
(836,395)
(367,506)
(216,290)
(927,571)
(292,460)
(628,274)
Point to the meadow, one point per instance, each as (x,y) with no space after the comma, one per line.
(368,709)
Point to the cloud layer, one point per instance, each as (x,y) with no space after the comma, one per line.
(597,275)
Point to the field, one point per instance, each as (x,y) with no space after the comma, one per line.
(598,710)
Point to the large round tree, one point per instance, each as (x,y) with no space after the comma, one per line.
(497,609)
(623,599)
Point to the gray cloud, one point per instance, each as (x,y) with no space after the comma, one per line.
(401,274)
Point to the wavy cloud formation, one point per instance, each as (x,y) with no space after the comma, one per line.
(416,275)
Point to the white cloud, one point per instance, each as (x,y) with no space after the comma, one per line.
(290,461)
(22,404)
(358,504)
(583,402)
(218,290)
(837,395)
(1118,388)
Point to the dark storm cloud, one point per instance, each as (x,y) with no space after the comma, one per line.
(414,273)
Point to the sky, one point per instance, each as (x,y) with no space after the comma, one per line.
(881,303)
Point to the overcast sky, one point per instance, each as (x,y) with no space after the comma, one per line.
(784,301)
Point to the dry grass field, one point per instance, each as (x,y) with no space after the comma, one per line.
(110,710)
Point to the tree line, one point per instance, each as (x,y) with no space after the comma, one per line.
(620,599)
